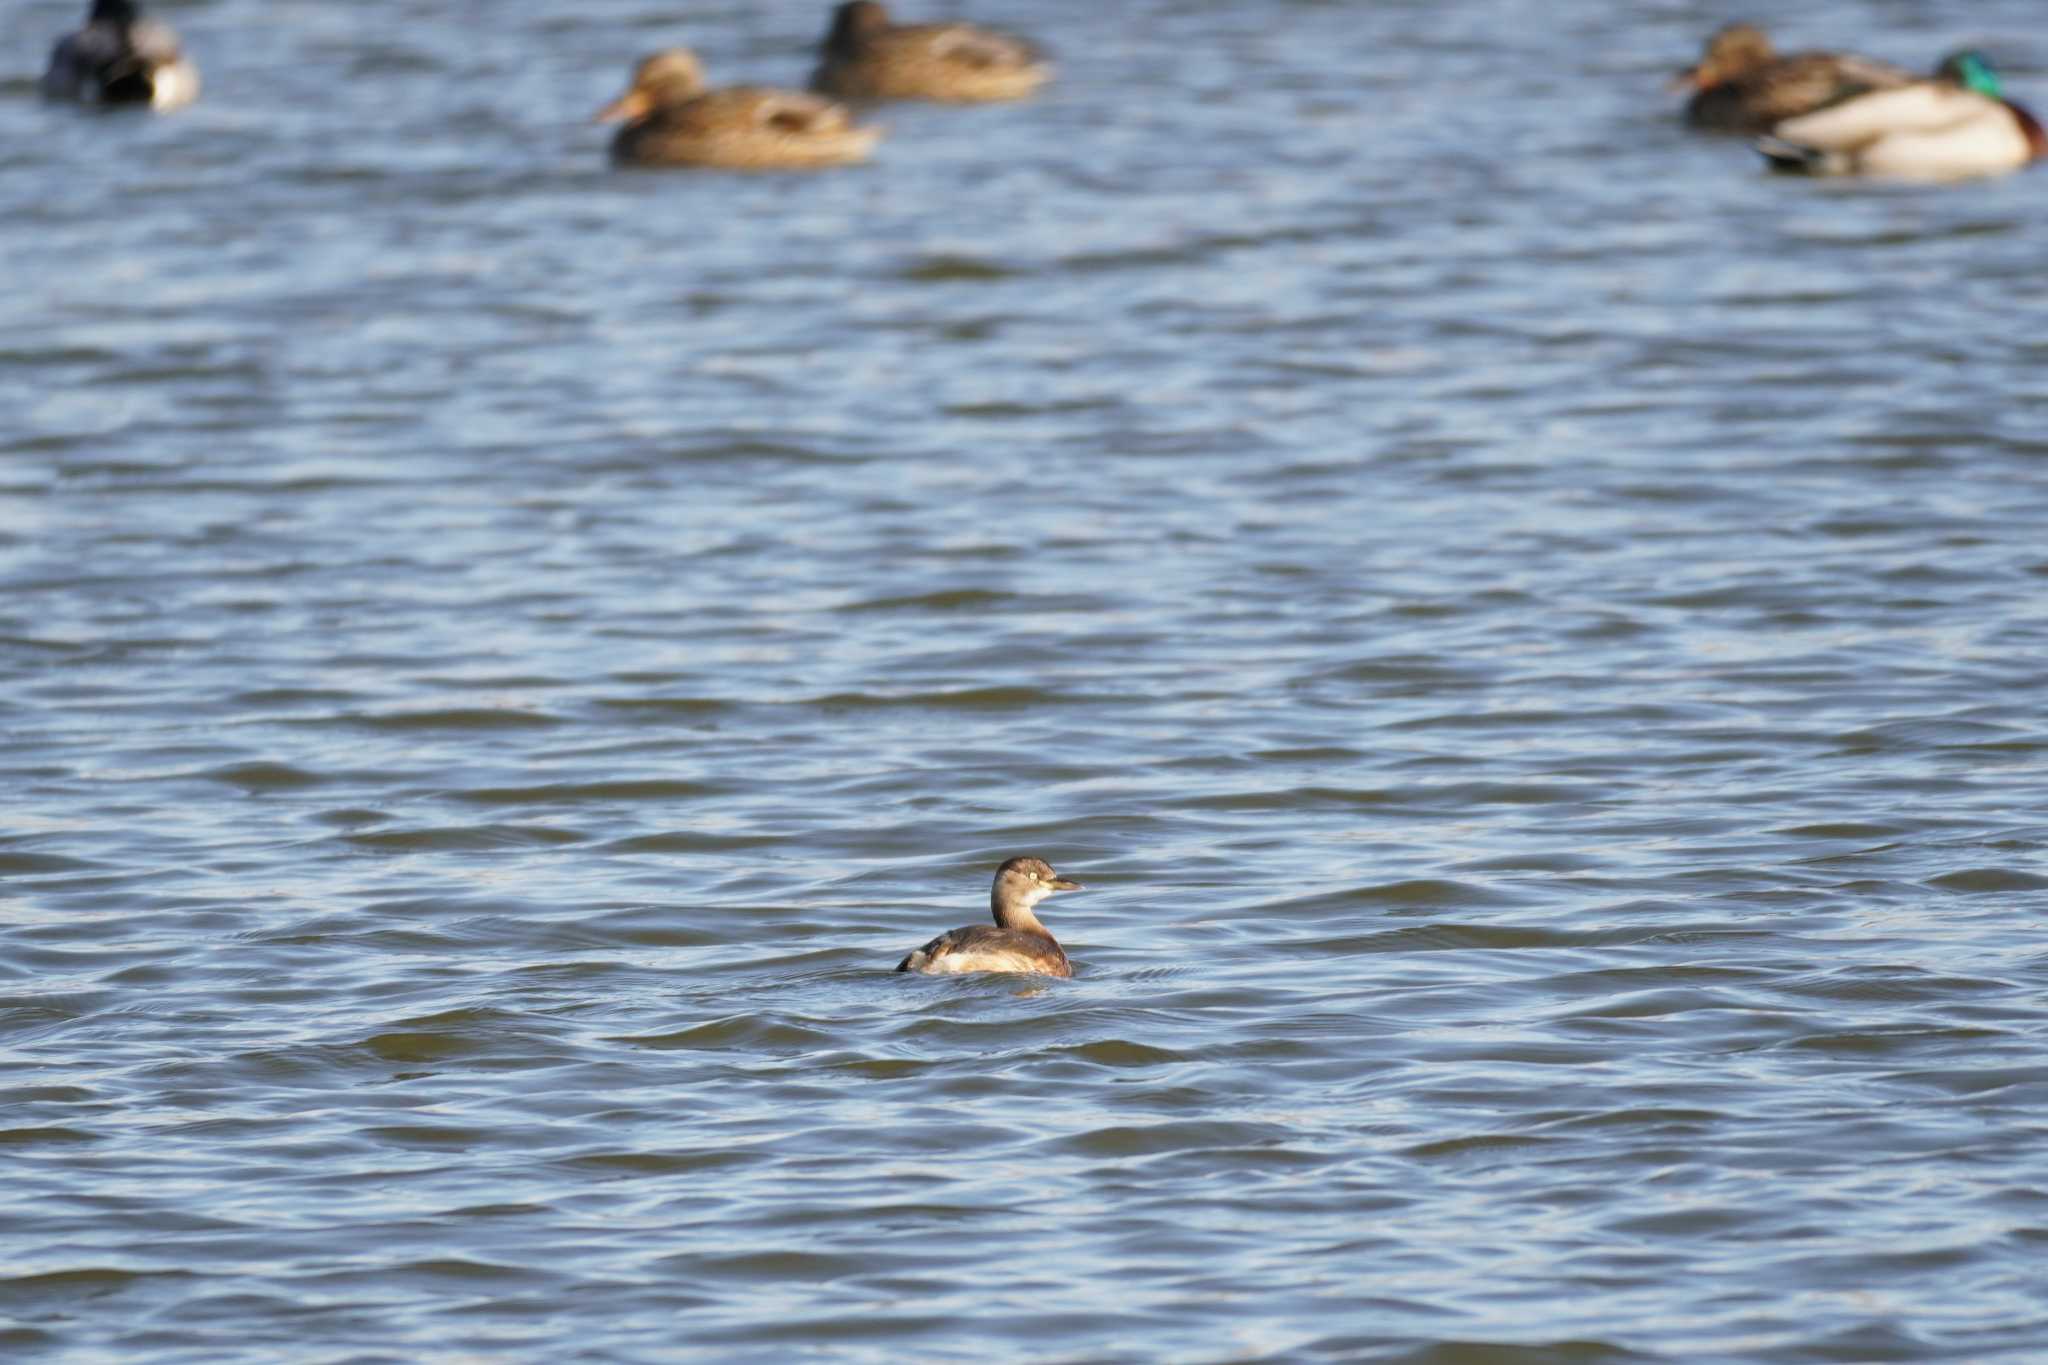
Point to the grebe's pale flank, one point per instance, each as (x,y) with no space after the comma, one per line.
(1017,943)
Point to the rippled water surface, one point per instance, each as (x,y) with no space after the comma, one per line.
(1533,632)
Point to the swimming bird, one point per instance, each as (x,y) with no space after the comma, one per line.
(866,57)
(671,119)
(119,57)
(1742,85)
(1017,943)
(1952,127)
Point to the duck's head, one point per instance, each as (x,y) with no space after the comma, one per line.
(665,78)
(1734,49)
(855,21)
(1972,70)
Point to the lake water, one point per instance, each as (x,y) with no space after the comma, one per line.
(1533,633)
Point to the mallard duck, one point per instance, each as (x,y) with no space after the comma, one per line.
(865,57)
(672,120)
(119,57)
(1742,85)
(1953,127)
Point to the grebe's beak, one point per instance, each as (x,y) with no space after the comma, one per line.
(1687,79)
(631,105)
(1062,884)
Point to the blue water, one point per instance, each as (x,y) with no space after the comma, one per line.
(1530,630)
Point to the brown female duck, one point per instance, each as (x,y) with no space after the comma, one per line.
(866,57)
(671,119)
(1742,85)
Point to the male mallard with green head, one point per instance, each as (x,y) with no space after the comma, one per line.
(1742,85)
(671,119)
(866,57)
(1953,127)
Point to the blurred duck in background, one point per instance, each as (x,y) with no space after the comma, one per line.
(1953,127)
(866,57)
(672,119)
(1742,85)
(119,57)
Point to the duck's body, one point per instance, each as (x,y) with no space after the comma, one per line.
(119,57)
(1954,127)
(671,119)
(1743,85)
(866,57)
(1016,943)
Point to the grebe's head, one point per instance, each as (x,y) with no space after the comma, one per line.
(1023,882)
(665,78)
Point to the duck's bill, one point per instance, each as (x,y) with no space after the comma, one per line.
(630,105)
